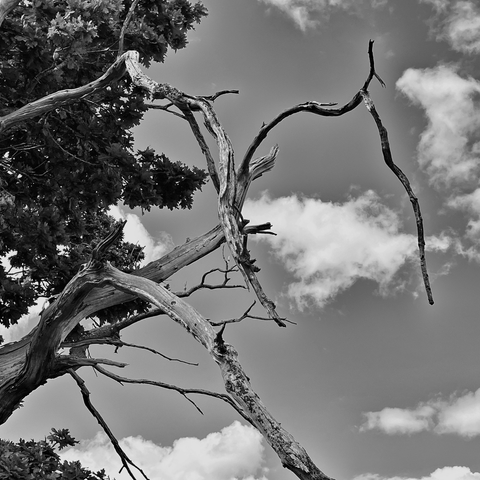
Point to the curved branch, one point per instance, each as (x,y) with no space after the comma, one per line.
(317,108)
(387,156)
(62,97)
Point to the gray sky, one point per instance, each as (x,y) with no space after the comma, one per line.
(373,381)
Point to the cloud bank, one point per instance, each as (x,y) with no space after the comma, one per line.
(234,453)
(445,473)
(310,13)
(458,414)
(328,246)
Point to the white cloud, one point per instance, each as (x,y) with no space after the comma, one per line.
(310,13)
(444,473)
(448,148)
(460,415)
(463,28)
(457,414)
(328,246)
(457,22)
(234,453)
(136,233)
(399,420)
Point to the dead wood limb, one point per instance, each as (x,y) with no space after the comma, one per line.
(245,315)
(127,20)
(62,97)
(126,462)
(237,384)
(67,362)
(204,285)
(212,169)
(165,108)
(213,97)
(387,156)
(183,391)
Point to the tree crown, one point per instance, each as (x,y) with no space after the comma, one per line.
(60,172)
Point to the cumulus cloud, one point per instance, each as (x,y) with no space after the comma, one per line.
(310,13)
(449,147)
(444,473)
(234,453)
(136,233)
(457,22)
(399,420)
(458,414)
(328,246)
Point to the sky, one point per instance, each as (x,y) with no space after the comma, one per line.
(373,381)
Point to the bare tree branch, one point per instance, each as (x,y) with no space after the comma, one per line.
(66,362)
(183,391)
(387,156)
(213,97)
(202,284)
(63,97)
(212,169)
(94,340)
(127,20)
(246,314)
(120,452)
(165,108)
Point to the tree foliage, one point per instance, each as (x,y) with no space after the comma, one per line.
(60,173)
(32,460)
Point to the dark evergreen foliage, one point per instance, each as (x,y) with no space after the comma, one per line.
(60,172)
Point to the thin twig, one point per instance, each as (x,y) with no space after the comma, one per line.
(246,314)
(183,391)
(165,108)
(120,452)
(202,283)
(120,343)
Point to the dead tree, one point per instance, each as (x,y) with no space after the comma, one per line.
(27,364)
